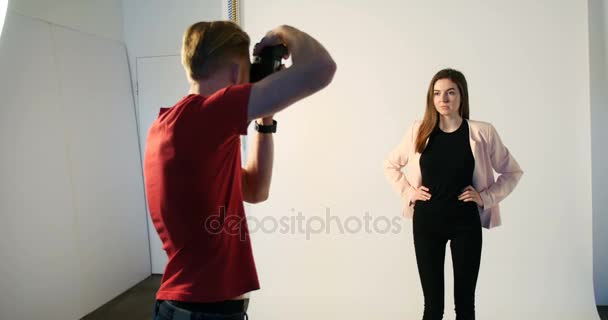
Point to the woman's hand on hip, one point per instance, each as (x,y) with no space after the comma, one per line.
(422,194)
(470,194)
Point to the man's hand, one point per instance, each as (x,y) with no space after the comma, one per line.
(312,69)
(271,39)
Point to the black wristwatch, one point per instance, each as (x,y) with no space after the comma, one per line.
(266,129)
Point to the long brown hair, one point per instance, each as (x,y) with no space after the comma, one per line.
(431,116)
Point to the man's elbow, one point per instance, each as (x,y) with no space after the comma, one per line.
(324,74)
(330,67)
(329,70)
(262,197)
(258,197)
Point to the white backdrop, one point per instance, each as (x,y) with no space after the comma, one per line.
(71,191)
(528,74)
(598,54)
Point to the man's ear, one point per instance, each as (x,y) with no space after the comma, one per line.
(235,70)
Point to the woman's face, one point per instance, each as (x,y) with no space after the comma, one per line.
(446,97)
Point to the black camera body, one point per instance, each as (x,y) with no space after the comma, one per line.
(268,62)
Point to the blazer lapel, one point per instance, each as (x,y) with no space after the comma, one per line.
(477,172)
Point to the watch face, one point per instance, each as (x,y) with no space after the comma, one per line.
(266,129)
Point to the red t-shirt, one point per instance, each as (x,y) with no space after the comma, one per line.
(192,171)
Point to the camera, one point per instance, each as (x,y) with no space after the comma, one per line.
(268,62)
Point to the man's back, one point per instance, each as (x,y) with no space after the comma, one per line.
(194,180)
(192,170)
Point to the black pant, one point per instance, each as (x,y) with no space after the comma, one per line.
(431,234)
(225,310)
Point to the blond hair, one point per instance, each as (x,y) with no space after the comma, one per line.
(210,46)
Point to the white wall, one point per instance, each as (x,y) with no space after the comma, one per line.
(71,192)
(161,82)
(101,18)
(598,52)
(153,35)
(40,250)
(530,81)
(155,28)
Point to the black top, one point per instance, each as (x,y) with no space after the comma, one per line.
(447,166)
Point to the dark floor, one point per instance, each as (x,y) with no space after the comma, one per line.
(603,310)
(137,304)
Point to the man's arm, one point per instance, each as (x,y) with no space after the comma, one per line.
(258,170)
(312,70)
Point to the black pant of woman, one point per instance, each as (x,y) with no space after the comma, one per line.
(430,239)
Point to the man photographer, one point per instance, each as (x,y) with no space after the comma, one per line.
(192,164)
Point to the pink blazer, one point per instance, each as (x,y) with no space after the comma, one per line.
(490,155)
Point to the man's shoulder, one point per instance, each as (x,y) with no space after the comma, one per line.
(229,94)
